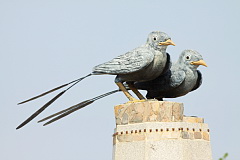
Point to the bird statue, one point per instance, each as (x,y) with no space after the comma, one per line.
(144,63)
(182,78)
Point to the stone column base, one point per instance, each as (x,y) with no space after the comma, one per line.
(154,130)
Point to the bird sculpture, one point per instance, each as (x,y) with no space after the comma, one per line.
(182,78)
(144,63)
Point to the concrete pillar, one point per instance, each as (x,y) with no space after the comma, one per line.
(155,130)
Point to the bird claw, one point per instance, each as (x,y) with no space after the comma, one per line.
(136,100)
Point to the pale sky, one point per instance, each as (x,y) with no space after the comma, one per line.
(47,43)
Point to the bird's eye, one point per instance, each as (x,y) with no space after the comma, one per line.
(187,57)
(154,38)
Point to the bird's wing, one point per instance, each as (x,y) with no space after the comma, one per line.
(127,63)
(199,81)
(161,83)
(168,64)
(177,78)
(164,83)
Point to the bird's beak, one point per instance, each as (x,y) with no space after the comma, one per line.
(167,42)
(200,62)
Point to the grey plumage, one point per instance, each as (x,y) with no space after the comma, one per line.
(182,78)
(141,64)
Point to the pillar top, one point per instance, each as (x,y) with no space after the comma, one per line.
(152,111)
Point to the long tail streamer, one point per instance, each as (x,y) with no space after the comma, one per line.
(49,102)
(54,89)
(74,108)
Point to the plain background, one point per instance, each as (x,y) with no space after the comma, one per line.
(46,43)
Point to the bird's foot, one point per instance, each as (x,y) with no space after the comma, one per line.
(136,100)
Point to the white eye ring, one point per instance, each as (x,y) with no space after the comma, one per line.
(154,38)
(188,57)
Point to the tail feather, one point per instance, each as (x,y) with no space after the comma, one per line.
(74,108)
(54,89)
(40,110)
(60,112)
(68,112)
(49,103)
(43,94)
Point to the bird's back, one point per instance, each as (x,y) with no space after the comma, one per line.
(127,63)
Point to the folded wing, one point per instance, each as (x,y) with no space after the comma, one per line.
(199,81)
(127,63)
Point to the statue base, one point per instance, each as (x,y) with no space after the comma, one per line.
(154,130)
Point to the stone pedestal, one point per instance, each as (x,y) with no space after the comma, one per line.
(155,130)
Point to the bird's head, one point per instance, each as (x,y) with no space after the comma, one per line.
(192,59)
(159,40)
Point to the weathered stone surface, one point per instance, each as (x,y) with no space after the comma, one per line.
(136,118)
(163,150)
(148,111)
(125,138)
(118,110)
(166,112)
(155,130)
(166,135)
(175,134)
(193,119)
(154,136)
(152,118)
(155,107)
(185,135)
(118,121)
(206,136)
(138,108)
(177,112)
(128,138)
(156,110)
(191,135)
(114,140)
(197,135)
(139,137)
(125,118)
(120,138)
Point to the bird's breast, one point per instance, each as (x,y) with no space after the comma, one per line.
(156,68)
(188,83)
